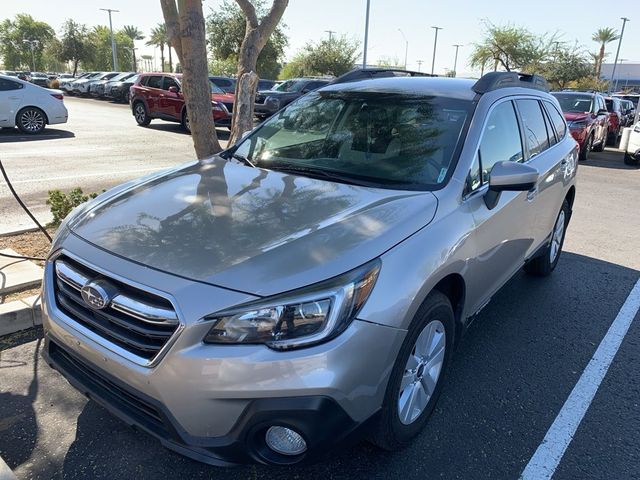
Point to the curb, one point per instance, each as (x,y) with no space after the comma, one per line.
(20,315)
(18,232)
(5,471)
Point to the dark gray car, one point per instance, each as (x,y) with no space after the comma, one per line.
(270,101)
(309,285)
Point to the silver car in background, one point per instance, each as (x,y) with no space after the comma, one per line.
(307,287)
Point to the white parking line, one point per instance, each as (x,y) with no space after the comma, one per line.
(545,460)
(86,175)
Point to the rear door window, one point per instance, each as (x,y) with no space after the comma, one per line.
(6,85)
(533,125)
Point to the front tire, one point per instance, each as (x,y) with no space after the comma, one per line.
(31,120)
(546,262)
(141,115)
(629,160)
(416,380)
(586,149)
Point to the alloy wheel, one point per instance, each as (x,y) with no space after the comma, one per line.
(141,114)
(556,237)
(32,120)
(422,372)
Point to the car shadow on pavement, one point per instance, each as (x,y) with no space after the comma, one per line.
(608,159)
(14,135)
(509,378)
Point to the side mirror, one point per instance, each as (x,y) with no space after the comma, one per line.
(174,89)
(509,176)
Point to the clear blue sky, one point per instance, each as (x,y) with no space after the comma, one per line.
(307,20)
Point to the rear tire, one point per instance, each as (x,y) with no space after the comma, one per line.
(31,120)
(185,122)
(141,115)
(546,262)
(400,421)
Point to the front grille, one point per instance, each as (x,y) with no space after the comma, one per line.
(229,106)
(96,384)
(133,319)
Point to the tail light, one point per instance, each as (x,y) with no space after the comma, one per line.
(58,96)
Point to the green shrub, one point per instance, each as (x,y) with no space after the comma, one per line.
(62,203)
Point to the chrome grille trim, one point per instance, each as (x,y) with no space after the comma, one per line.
(76,270)
(136,308)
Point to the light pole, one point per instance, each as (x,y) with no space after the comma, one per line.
(113,42)
(406,47)
(366,36)
(32,45)
(613,73)
(419,62)
(330,32)
(435,45)
(615,88)
(455,60)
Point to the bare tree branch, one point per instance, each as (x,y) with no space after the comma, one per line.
(249,12)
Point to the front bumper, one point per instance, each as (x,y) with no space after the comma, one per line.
(213,403)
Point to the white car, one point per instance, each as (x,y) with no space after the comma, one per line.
(28,106)
(632,155)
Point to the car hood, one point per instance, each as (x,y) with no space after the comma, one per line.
(223,97)
(250,229)
(276,93)
(576,117)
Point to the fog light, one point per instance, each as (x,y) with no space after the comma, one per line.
(285,441)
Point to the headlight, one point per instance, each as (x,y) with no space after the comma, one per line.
(298,319)
(273,101)
(218,107)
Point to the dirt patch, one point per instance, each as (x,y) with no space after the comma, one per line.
(30,244)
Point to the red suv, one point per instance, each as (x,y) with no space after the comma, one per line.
(158,95)
(588,119)
(616,117)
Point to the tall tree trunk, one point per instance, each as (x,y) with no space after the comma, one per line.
(185,27)
(170,59)
(600,60)
(256,35)
(75,66)
(135,63)
(162,55)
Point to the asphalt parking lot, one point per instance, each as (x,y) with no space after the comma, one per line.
(511,376)
(100,146)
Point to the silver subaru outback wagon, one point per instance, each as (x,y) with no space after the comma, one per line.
(307,286)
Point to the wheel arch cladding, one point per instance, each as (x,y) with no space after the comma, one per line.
(571,196)
(454,288)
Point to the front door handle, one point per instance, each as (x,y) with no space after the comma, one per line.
(531,194)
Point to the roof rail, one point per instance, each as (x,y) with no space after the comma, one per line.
(494,80)
(377,72)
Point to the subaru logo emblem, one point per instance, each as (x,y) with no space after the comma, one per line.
(97,294)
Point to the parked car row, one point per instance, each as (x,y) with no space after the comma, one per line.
(28,106)
(111,85)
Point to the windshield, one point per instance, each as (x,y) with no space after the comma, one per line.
(367,138)
(215,88)
(122,76)
(575,103)
(291,86)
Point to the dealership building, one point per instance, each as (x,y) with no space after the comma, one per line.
(627,75)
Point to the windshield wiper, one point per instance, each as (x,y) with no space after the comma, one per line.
(314,173)
(243,159)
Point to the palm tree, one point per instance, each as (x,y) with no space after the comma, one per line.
(134,34)
(603,36)
(158,38)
